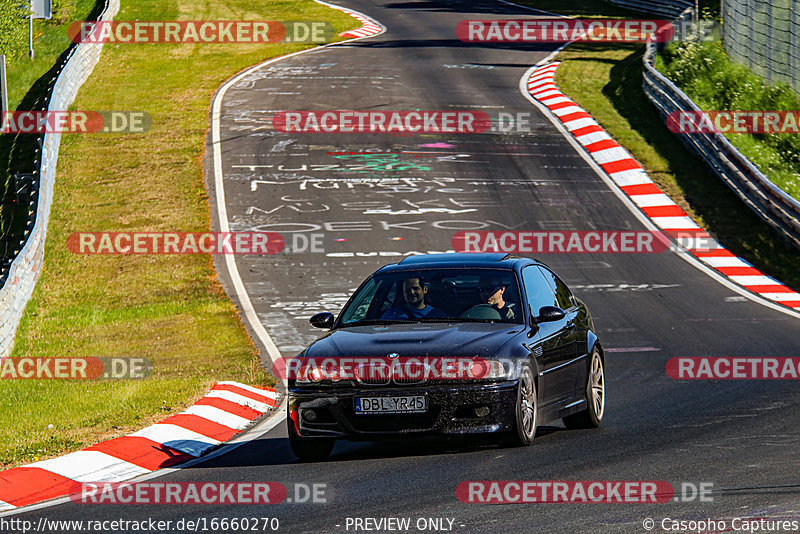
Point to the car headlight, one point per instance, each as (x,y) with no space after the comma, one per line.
(314,375)
(488,370)
(496,370)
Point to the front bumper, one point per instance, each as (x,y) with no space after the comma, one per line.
(450,411)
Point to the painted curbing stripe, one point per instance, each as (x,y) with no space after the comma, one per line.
(141,451)
(239,399)
(611,155)
(772,289)
(634,182)
(599,143)
(580,123)
(630,177)
(665,211)
(675,223)
(201,425)
(218,416)
(642,189)
(783,296)
(568,109)
(22,486)
(232,408)
(594,136)
(586,130)
(620,165)
(655,200)
(754,280)
(369,27)
(90,466)
(264,394)
(178,438)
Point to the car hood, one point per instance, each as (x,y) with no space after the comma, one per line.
(415,340)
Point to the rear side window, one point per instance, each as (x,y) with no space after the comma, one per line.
(537,289)
(563,294)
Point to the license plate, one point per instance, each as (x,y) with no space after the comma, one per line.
(384,405)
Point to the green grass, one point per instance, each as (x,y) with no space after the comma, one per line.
(606,80)
(168,309)
(708,76)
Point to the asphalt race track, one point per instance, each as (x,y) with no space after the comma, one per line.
(368,210)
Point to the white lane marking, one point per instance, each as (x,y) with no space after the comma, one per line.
(90,466)
(219,190)
(641,217)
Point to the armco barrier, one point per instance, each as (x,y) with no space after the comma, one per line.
(666,8)
(26,267)
(768,200)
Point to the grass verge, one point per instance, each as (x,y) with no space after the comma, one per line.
(168,309)
(707,75)
(606,80)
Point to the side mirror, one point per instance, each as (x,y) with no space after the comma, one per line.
(322,320)
(548,314)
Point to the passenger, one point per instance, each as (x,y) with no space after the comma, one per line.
(414,291)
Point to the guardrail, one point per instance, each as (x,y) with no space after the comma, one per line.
(768,200)
(27,266)
(666,8)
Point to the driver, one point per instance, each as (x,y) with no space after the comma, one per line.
(491,293)
(414,291)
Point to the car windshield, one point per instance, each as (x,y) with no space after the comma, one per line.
(436,295)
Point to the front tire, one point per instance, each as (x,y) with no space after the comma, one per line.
(308,449)
(595,397)
(525,411)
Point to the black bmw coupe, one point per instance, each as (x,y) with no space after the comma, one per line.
(448,344)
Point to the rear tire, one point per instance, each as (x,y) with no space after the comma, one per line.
(308,449)
(595,397)
(525,411)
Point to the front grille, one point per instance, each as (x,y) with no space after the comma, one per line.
(381,374)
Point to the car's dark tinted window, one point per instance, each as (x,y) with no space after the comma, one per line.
(454,293)
(563,294)
(538,289)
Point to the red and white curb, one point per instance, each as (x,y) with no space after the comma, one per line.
(369,27)
(637,185)
(225,411)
